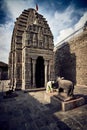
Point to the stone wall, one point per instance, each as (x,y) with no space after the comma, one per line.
(4,85)
(71,59)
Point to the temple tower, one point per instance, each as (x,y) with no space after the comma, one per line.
(31,56)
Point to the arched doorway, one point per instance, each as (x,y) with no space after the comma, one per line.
(39,75)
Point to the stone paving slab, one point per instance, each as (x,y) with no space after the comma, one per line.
(30,111)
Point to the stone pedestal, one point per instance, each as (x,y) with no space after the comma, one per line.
(67,105)
(53,98)
(73,104)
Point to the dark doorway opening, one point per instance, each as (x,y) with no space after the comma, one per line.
(39,76)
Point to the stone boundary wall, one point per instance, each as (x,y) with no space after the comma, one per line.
(71,59)
(4,85)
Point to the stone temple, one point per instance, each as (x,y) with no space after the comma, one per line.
(31,56)
(33,59)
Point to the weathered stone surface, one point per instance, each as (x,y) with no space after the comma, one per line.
(31,54)
(66,105)
(29,111)
(74,103)
(71,59)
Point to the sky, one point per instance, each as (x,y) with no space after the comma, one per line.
(63,16)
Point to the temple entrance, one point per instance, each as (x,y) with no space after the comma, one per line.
(39,75)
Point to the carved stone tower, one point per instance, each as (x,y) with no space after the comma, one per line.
(31,56)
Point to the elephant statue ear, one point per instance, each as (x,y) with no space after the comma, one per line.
(62,78)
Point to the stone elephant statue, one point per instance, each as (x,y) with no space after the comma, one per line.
(65,86)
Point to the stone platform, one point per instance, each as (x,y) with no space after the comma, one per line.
(29,111)
(67,105)
(64,105)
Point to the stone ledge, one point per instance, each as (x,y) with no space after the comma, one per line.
(34,90)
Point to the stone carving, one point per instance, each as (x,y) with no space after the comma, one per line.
(28,43)
(66,88)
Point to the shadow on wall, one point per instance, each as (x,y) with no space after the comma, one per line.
(65,63)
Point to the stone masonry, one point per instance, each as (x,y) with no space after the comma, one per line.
(31,55)
(71,59)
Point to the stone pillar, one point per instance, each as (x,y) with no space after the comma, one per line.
(15,70)
(34,66)
(12,72)
(49,70)
(46,64)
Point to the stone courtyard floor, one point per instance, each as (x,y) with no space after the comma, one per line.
(30,111)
